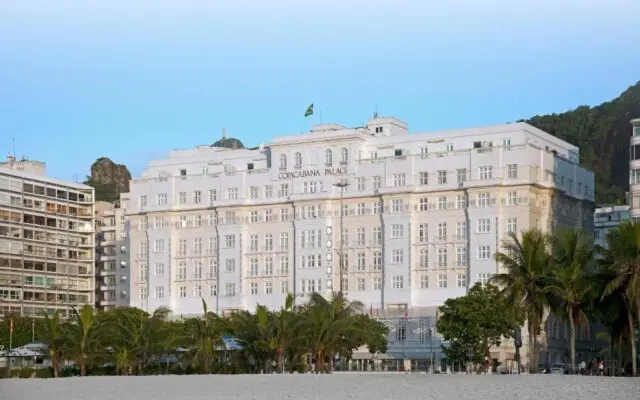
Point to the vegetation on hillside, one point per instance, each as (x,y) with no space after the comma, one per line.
(108,179)
(230,143)
(602,133)
(128,341)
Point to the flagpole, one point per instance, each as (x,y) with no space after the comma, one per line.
(11,333)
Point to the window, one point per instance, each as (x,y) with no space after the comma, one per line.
(253,192)
(377,283)
(268,241)
(197,246)
(360,237)
(462,175)
(268,215)
(423,232)
(197,197)
(424,178)
(213,196)
(398,282)
(213,290)
(442,231)
(461,279)
(485,173)
(232,193)
(161,199)
(284,241)
(448,147)
(197,291)
(401,331)
(635,176)
(230,289)
(158,246)
(284,190)
(182,198)
(442,177)
(229,265)
(360,183)
(512,171)
(253,288)
(283,162)
(376,181)
(360,262)
(158,269)
(512,198)
(159,294)
(399,179)
(284,287)
(484,277)
(253,266)
(360,284)
(182,270)
(442,257)
(442,203)
(297,160)
(424,281)
(461,202)
(442,281)
(461,230)
(397,230)
(284,265)
(424,204)
(461,257)
(424,151)
(213,268)
(397,256)
(397,205)
(360,209)
(253,217)
(483,225)
(344,156)
(268,288)
(512,225)
(377,260)
(483,200)
(484,252)
(230,241)
(142,201)
(268,191)
(506,144)
(328,158)
(182,290)
(143,293)
(344,285)
(423,258)
(253,242)
(268,266)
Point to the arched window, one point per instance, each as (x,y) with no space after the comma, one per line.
(283,161)
(328,157)
(344,155)
(298,160)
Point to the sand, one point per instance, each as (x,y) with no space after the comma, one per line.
(326,387)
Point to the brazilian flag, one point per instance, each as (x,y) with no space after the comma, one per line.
(309,110)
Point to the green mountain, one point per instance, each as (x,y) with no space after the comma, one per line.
(109,179)
(602,133)
(230,143)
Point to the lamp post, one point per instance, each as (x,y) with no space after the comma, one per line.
(342,185)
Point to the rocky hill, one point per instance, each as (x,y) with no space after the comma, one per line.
(602,133)
(109,179)
(230,143)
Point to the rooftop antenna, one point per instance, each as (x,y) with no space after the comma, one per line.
(375,112)
(13,145)
(224,134)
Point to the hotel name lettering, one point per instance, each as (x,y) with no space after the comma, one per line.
(312,172)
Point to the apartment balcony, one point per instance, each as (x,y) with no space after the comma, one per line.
(108,257)
(108,242)
(107,228)
(107,302)
(108,287)
(107,272)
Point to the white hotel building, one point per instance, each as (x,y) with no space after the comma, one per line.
(422,216)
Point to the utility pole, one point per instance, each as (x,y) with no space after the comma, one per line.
(342,185)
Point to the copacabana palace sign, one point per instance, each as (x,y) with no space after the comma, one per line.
(312,172)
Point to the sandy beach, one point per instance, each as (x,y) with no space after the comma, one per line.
(339,386)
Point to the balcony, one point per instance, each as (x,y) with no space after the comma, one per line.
(108,257)
(108,287)
(107,272)
(108,302)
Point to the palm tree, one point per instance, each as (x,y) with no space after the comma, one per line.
(206,332)
(526,262)
(570,282)
(81,338)
(53,336)
(285,330)
(622,256)
(326,323)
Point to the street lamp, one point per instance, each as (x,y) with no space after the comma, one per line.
(342,185)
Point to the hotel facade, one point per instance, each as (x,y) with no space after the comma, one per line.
(47,241)
(398,221)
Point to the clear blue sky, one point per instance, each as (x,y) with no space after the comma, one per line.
(133,79)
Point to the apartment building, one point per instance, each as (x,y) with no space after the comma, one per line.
(112,258)
(634,170)
(46,241)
